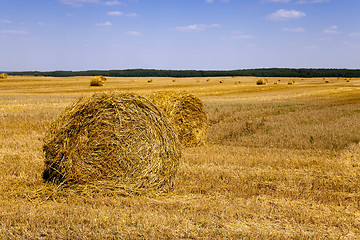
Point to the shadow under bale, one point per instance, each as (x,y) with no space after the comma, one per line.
(112,142)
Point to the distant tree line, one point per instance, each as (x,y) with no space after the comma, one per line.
(260,72)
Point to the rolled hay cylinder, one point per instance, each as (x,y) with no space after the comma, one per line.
(291,82)
(97,81)
(261,81)
(187,113)
(4,75)
(113,142)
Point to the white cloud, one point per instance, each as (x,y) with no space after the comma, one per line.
(243,36)
(331,30)
(354,34)
(104,24)
(299,29)
(113,3)
(115,13)
(118,13)
(196,27)
(193,27)
(18,32)
(311,47)
(239,35)
(5,21)
(212,1)
(132,15)
(311,1)
(79,3)
(133,33)
(282,14)
(277,1)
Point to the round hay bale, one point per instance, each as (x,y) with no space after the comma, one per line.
(261,81)
(97,81)
(174,80)
(112,142)
(187,113)
(291,82)
(237,82)
(150,80)
(221,81)
(4,75)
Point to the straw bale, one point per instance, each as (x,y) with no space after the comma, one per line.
(115,142)
(97,81)
(291,82)
(237,82)
(4,75)
(261,81)
(187,113)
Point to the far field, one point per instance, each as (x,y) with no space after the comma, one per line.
(282,162)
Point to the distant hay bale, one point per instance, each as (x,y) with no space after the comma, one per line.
(221,81)
(207,80)
(291,82)
(150,80)
(327,81)
(261,81)
(4,75)
(347,80)
(112,142)
(97,81)
(187,113)
(237,82)
(174,80)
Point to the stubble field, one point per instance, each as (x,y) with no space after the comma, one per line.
(282,162)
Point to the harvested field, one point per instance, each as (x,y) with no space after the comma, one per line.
(281,162)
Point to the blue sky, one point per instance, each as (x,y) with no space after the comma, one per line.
(48,35)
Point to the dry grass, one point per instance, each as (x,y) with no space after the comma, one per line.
(281,163)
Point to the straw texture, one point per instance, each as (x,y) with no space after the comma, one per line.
(187,113)
(112,142)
